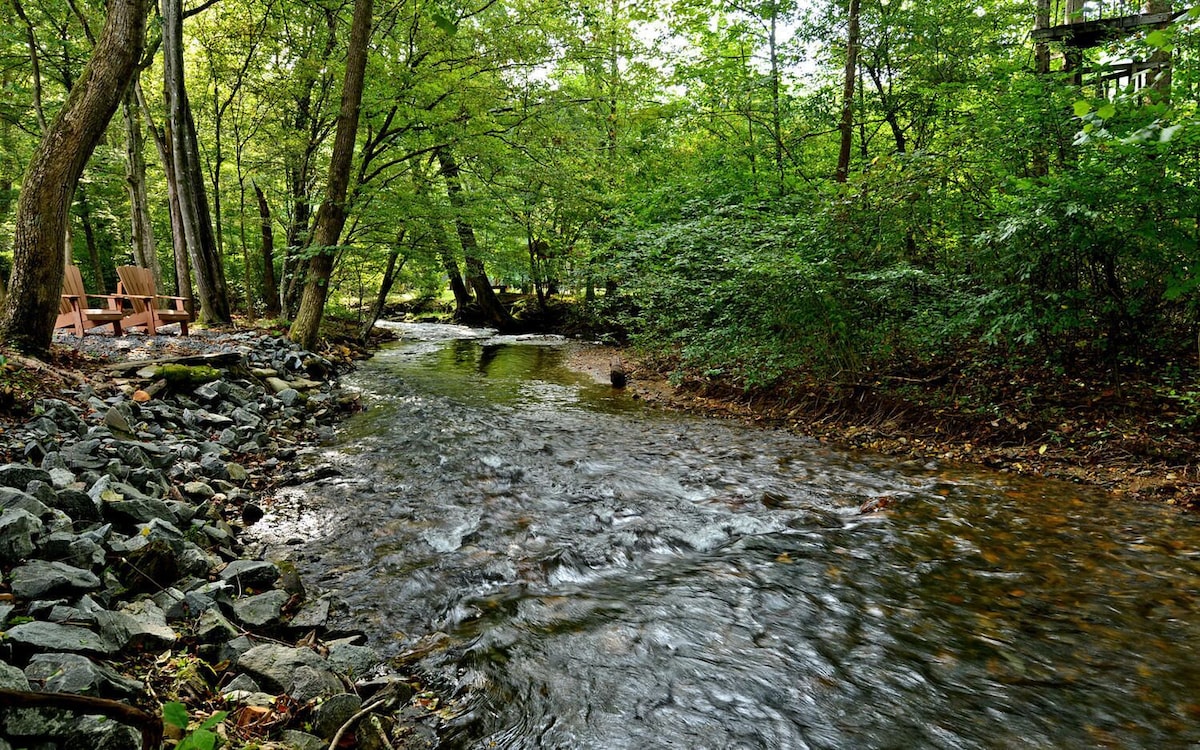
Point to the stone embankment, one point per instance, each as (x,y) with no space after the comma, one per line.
(124,580)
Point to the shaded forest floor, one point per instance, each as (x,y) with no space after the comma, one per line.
(1138,438)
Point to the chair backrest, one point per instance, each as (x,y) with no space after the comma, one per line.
(138,282)
(73,286)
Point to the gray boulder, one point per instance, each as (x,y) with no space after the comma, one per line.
(275,667)
(139,625)
(16,499)
(48,636)
(40,579)
(20,475)
(74,673)
(334,712)
(18,528)
(250,574)
(261,610)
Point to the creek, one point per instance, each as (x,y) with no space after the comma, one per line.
(600,574)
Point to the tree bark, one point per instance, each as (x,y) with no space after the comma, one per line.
(394,264)
(846,126)
(191,197)
(145,254)
(27,322)
(493,312)
(270,290)
(331,216)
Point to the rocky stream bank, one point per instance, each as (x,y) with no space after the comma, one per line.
(127,586)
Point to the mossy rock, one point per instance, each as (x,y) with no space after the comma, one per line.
(184,375)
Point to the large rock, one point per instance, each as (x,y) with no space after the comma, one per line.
(100,733)
(41,579)
(48,636)
(261,610)
(17,529)
(140,625)
(13,499)
(356,661)
(334,712)
(77,504)
(250,574)
(20,475)
(74,673)
(73,549)
(275,667)
(125,503)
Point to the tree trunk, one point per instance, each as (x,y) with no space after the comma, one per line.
(493,312)
(27,322)
(89,238)
(194,215)
(145,254)
(183,279)
(1159,80)
(394,264)
(269,289)
(462,295)
(846,126)
(331,216)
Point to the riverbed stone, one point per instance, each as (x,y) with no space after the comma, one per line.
(19,476)
(73,549)
(122,502)
(214,627)
(75,673)
(18,499)
(313,683)
(139,625)
(314,615)
(275,667)
(353,660)
(48,636)
(333,712)
(40,578)
(18,527)
(77,504)
(260,610)
(297,740)
(100,733)
(250,574)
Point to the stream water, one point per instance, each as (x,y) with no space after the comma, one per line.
(604,575)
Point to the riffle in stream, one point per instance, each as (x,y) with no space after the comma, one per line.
(611,576)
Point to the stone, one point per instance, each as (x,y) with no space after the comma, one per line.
(124,503)
(60,479)
(274,666)
(18,528)
(235,472)
(39,578)
(100,733)
(117,418)
(313,683)
(250,574)
(242,682)
(313,616)
(352,660)
(148,567)
(75,673)
(48,636)
(198,490)
(290,397)
(73,549)
(214,627)
(77,504)
(333,712)
(297,740)
(277,385)
(16,499)
(139,625)
(263,609)
(18,476)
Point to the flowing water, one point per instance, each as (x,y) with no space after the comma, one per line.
(603,575)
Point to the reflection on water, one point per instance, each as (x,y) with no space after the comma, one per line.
(613,577)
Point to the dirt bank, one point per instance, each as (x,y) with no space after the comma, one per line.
(1125,440)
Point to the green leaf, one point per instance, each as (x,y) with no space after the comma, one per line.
(1106,111)
(1158,38)
(445,23)
(175,714)
(201,739)
(214,720)
(1082,108)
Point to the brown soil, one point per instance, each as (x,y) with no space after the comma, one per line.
(1129,439)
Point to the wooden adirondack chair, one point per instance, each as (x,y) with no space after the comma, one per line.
(73,311)
(137,285)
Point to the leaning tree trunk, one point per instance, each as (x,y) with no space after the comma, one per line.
(394,264)
(493,311)
(195,217)
(331,216)
(27,322)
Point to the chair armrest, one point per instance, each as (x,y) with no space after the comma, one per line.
(180,302)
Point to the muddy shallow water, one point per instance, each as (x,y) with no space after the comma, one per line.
(610,576)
